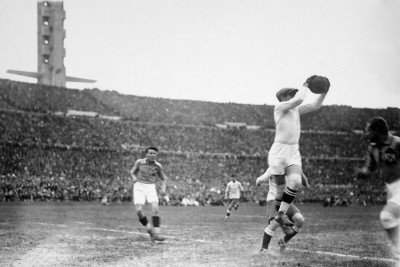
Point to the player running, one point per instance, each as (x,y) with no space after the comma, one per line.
(233,192)
(144,175)
(284,156)
(273,202)
(384,155)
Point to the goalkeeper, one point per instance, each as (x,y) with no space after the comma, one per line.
(284,156)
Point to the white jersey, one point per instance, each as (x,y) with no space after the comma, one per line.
(287,116)
(233,189)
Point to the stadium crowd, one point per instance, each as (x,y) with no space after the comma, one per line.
(48,156)
(50,129)
(45,99)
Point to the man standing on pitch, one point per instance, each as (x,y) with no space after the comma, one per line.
(232,192)
(284,156)
(144,175)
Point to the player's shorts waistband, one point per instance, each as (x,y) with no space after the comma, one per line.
(141,184)
(284,144)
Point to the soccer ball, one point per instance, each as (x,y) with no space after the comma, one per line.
(318,84)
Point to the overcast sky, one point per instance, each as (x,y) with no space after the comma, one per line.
(239,51)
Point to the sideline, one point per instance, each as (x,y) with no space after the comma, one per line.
(344,255)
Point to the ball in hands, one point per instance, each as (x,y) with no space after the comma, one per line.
(318,84)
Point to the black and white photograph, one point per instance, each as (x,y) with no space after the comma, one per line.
(201,133)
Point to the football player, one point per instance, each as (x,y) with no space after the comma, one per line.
(284,157)
(274,196)
(144,175)
(233,192)
(384,155)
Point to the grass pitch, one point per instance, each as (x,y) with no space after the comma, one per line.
(90,234)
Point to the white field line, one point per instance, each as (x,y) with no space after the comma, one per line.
(120,231)
(207,241)
(237,215)
(344,255)
(80,222)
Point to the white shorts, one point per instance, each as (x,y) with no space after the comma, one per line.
(281,156)
(144,192)
(393,192)
(234,195)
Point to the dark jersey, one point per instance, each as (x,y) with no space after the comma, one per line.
(386,158)
(147,171)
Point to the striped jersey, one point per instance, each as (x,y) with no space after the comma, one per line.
(147,171)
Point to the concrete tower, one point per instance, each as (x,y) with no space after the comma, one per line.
(51,51)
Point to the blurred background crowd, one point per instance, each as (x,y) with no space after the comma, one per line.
(48,155)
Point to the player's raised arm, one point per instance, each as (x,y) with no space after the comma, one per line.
(313,106)
(299,97)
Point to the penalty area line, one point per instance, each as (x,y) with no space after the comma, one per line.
(344,255)
(122,231)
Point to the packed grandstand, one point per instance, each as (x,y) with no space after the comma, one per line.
(61,144)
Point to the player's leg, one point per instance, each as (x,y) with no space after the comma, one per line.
(279,157)
(156,220)
(294,176)
(269,231)
(389,217)
(281,216)
(293,183)
(294,215)
(271,211)
(142,217)
(139,199)
(232,203)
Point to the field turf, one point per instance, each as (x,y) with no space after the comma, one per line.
(90,234)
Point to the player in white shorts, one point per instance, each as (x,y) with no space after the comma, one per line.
(273,202)
(232,192)
(384,155)
(144,174)
(284,156)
